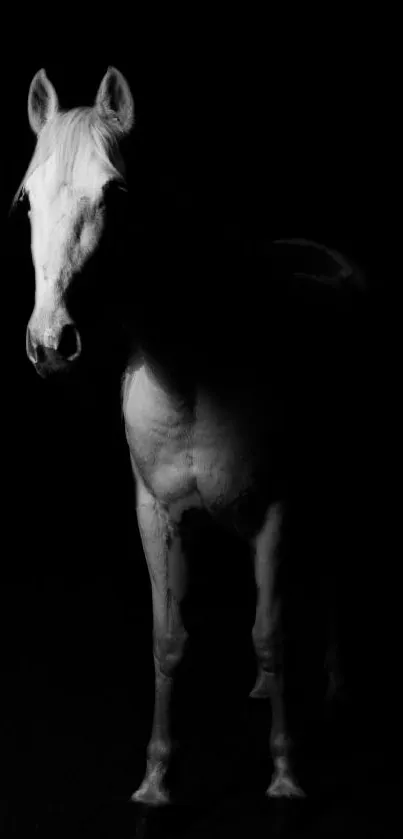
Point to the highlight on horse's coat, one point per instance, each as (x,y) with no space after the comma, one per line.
(202,405)
(76,156)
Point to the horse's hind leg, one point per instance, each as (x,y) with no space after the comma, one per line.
(167,573)
(267,639)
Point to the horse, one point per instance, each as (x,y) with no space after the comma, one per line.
(203,384)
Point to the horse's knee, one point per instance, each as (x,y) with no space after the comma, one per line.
(169,649)
(267,646)
(262,645)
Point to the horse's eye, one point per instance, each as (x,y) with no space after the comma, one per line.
(113,190)
(21,206)
(23,202)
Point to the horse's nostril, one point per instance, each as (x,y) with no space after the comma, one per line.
(30,347)
(70,344)
(40,354)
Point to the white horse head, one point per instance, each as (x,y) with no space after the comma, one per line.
(76,156)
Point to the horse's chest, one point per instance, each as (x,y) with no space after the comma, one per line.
(176,454)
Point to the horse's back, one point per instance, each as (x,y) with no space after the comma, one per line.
(225,313)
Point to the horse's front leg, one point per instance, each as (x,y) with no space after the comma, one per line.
(268,642)
(167,573)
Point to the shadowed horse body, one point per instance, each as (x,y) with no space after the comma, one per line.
(221,361)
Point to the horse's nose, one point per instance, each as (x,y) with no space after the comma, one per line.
(67,349)
(69,346)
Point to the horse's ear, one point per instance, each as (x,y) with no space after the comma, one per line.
(42,101)
(114,101)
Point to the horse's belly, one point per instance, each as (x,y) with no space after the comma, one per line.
(215,470)
(222,464)
(215,455)
(218,473)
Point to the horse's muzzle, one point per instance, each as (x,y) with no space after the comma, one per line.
(57,357)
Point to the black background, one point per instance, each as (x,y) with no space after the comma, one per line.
(290,148)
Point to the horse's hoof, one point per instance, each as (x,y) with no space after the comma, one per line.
(151,795)
(284,786)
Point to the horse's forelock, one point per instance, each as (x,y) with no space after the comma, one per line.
(70,134)
(79,132)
